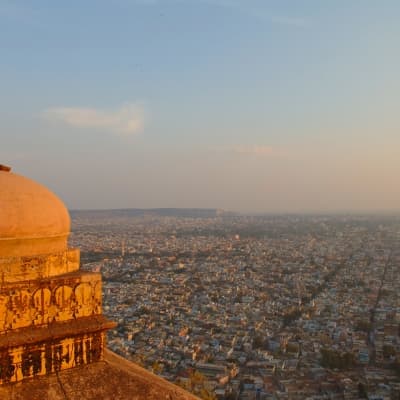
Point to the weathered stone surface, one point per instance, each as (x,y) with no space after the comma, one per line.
(31,352)
(27,268)
(40,302)
(52,331)
(113,378)
(50,312)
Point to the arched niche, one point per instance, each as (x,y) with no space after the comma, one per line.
(41,299)
(84,300)
(21,308)
(63,300)
(97,298)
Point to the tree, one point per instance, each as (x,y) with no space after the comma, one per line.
(388,351)
(258,342)
(157,367)
(207,395)
(362,392)
(195,383)
(363,326)
(334,359)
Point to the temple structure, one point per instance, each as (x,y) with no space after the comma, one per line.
(52,330)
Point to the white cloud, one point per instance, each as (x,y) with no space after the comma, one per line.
(126,120)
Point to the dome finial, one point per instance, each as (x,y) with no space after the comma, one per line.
(5,168)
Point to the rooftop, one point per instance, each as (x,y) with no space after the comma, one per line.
(124,381)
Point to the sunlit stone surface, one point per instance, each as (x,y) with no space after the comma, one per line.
(51,322)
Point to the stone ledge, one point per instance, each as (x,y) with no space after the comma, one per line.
(25,268)
(113,378)
(60,298)
(55,331)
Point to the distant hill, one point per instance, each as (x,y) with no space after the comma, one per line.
(157,212)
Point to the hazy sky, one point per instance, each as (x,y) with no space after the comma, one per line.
(246,105)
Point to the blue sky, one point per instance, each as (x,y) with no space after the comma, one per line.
(247,105)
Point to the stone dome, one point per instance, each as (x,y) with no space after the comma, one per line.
(33,220)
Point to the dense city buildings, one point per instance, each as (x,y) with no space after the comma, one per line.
(239,307)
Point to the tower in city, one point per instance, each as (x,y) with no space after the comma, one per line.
(52,330)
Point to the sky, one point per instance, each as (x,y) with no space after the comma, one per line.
(268,106)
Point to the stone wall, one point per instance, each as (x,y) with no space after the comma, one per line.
(19,363)
(35,303)
(27,268)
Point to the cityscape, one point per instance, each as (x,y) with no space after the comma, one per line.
(251,307)
(198,200)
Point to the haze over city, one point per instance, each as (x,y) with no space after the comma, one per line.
(250,106)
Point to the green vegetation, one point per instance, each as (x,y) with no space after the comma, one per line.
(336,360)
(196,383)
(388,351)
(363,326)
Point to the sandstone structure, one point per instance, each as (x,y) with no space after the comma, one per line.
(52,331)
